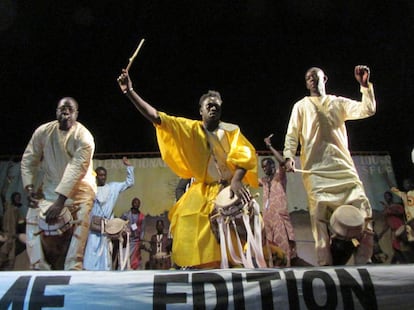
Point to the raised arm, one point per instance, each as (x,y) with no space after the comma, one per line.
(362,74)
(125,84)
(275,153)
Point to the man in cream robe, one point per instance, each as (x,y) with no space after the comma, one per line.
(215,154)
(317,123)
(62,151)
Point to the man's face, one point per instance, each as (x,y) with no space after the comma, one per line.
(388,197)
(17,199)
(160,227)
(66,113)
(100,177)
(315,81)
(210,109)
(135,205)
(268,167)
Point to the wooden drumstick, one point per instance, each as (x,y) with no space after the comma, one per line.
(314,171)
(135,54)
(303,171)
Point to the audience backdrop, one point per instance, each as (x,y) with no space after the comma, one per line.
(155,183)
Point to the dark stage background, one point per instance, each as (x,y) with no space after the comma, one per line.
(254,52)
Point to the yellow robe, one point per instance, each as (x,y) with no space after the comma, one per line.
(183,145)
(318,125)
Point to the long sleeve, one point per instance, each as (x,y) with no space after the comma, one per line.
(129,181)
(292,133)
(79,163)
(360,109)
(31,158)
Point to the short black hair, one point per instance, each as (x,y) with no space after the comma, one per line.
(210,93)
(268,159)
(13,196)
(100,168)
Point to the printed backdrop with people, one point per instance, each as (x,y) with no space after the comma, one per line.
(155,183)
(155,186)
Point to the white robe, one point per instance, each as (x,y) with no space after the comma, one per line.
(318,125)
(65,160)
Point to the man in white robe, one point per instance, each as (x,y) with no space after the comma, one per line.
(98,253)
(317,123)
(62,150)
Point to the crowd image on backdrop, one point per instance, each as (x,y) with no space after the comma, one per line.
(216,221)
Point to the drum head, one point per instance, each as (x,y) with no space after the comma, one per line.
(114,226)
(223,198)
(44,205)
(347,222)
(57,228)
(161,255)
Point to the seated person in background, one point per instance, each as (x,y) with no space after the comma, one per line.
(12,233)
(160,248)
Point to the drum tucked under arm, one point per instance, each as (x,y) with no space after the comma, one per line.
(64,222)
(236,223)
(347,223)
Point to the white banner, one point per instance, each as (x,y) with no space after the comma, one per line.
(365,287)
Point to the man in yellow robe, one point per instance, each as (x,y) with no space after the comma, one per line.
(317,123)
(212,152)
(60,155)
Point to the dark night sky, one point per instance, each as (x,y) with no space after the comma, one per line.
(254,52)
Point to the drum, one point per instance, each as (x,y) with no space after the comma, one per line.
(223,199)
(237,228)
(229,209)
(161,261)
(63,224)
(347,223)
(116,228)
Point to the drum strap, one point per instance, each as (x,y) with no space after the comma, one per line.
(125,262)
(222,181)
(253,244)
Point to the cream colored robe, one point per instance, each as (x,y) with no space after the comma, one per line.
(65,161)
(318,125)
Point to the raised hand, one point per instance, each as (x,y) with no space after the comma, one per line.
(362,75)
(267,140)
